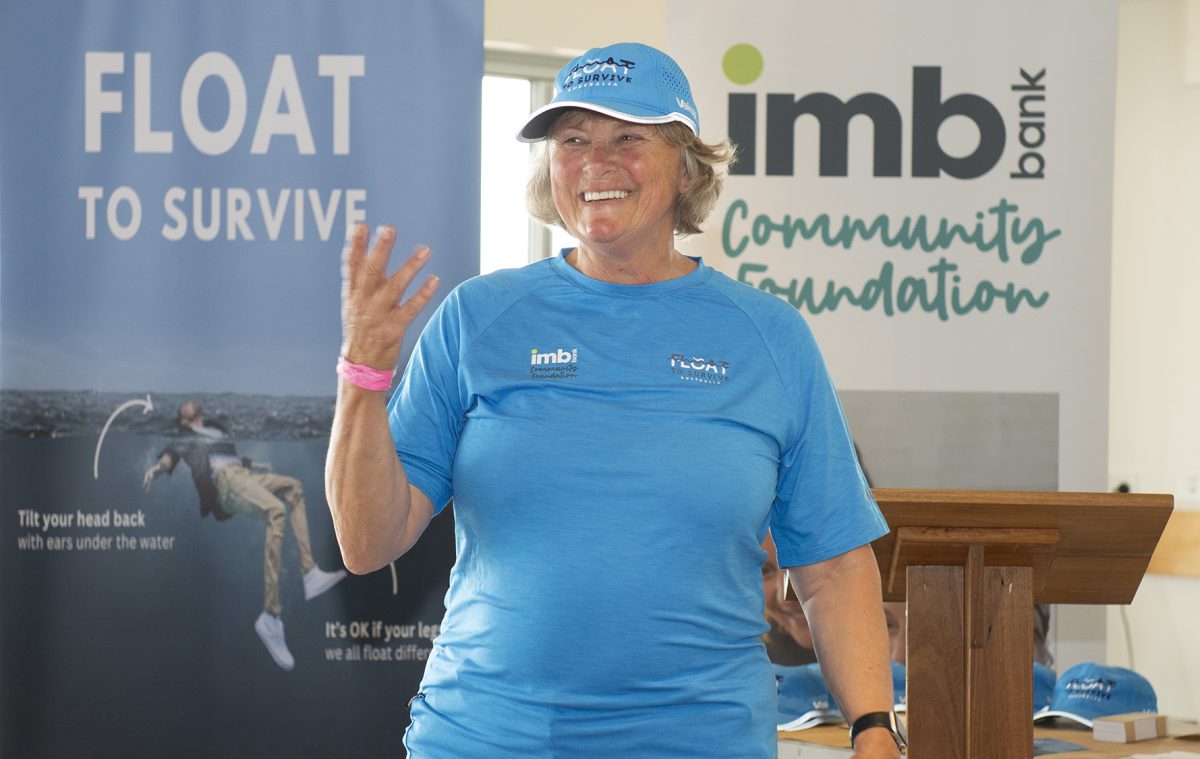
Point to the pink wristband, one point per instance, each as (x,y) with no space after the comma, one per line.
(364,376)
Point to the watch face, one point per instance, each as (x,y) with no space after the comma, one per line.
(899,731)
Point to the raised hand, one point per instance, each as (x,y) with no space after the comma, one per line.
(375,314)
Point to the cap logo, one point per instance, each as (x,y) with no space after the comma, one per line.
(627,81)
(1090,688)
(685,105)
(598,71)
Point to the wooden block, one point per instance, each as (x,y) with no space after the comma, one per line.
(1127,728)
(1178,551)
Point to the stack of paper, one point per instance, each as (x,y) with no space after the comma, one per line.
(1127,728)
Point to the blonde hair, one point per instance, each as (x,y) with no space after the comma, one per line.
(703,163)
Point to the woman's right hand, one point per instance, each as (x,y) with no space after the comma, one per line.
(374,314)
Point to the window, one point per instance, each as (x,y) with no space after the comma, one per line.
(513,86)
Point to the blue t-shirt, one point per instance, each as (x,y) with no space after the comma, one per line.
(616,454)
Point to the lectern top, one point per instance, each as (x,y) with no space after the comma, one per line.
(1102,547)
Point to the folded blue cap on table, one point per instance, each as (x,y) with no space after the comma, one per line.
(1044,679)
(1089,690)
(805,700)
(899,687)
(803,691)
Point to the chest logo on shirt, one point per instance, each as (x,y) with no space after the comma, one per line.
(708,371)
(556,364)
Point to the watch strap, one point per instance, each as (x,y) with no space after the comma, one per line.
(878,719)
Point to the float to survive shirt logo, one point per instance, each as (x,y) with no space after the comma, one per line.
(699,369)
(556,364)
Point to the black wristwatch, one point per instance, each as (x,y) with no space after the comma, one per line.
(880,719)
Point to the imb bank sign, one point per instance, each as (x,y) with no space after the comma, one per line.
(944,134)
(930,110)
(941,162)
(931,186)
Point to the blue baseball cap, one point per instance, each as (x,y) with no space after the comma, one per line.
(804,698)
(628,81)
(899,687)
(1044,680)
(1089,690)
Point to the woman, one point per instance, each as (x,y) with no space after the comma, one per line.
(617,427)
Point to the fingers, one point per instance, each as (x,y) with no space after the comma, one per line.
(420,299)
(403,277)
(362,270)
(365,273)
(375,312)
(376,264)
(352,256)
(359,267)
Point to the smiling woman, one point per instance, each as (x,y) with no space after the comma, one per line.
(607,602)
(703,165)
(615,186)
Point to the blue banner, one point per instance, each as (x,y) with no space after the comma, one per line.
(176,180)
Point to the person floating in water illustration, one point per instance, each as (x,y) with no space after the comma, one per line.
(229,485)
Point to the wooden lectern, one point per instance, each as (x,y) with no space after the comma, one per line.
(971,564)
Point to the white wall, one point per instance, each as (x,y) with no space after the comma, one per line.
(1155,409)
(1154,406)
(1154,417)
(545,28)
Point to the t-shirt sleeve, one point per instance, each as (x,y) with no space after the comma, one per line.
(823,504)
(426,412)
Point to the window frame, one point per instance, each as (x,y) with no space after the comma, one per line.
(539,70)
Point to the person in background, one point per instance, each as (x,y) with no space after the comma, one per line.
(1041,635)
(617,426)
(229,485)
(788,641)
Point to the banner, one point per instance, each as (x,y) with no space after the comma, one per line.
(176,181)
(931,186)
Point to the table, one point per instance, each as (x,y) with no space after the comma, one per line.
(833,742)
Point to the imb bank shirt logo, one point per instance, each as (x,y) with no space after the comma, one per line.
(556,364)
(931,107)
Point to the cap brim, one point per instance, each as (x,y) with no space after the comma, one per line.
(810,719)
(539,122)
(1050,714)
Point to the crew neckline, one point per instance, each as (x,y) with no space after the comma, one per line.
(650,290)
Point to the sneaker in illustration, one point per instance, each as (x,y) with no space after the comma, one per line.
(270,628)
(317,581)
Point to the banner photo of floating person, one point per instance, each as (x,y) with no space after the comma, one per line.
(178,184)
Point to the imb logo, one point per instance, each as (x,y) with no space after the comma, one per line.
(558,356)
(930,109)
(558,364)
